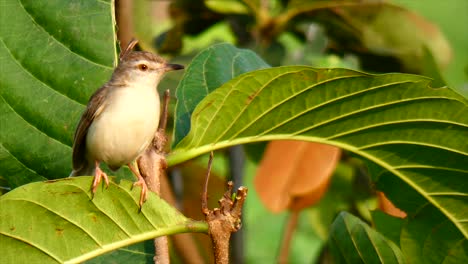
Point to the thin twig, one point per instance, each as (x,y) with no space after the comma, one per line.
(236,156)
(204,200)
(133,42)
(287,236)
(225,220)
(164,114)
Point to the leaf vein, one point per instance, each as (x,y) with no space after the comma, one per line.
(352,240)
(447,194)
(324,103)
(410,143)
(257,92)
(217,110)
(412,166)
(19,161)
(61,216)
(36,128)
(60,43)
(374,246)
(27,71)
(56,258)
(349,132)
(416,187)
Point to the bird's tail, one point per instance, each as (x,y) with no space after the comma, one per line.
(86,170)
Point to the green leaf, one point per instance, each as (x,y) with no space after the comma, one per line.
(428,237)
(388,225)
(397,121)
(59,221)
(210,69)
(425,236)
(227,6)
(353,241)
(53,55)
(140,253)
(432,232)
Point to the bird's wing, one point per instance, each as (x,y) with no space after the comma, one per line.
(93,109)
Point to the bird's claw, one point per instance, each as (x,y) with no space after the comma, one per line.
(98,176)
(144,190)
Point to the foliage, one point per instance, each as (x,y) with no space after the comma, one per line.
(353,241)
(204,75)
(61,222)
(51,63)
(412,136)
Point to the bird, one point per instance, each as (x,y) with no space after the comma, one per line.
(121,118)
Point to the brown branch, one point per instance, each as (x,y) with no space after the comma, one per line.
(185,244)
(224,220)
(152,165)
(123,15)
(164,114)
(153,162)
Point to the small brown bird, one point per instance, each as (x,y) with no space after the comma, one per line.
(121,118)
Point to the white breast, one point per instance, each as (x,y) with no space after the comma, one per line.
(125,127)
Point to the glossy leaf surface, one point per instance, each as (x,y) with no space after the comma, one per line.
(416,133)
(209,70)
(53,55)
(57,222)
(353,241)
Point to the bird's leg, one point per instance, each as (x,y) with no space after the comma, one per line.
(141,182)
(98,175)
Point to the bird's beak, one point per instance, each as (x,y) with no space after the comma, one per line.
(173,67)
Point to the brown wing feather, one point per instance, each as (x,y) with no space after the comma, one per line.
(93,109)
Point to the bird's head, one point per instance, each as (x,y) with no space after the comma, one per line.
(144,67)
(141,67)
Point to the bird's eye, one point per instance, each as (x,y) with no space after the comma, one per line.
(143,67)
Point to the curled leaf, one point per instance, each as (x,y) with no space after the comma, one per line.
(295,174)
(388,207)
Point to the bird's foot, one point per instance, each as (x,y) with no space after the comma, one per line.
(141,182)
(98,176)
(144,190)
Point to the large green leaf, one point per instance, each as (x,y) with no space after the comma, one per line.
(353,241)
(424,237)
(140,253)
(59,221)
(417,133)
(209,70)
(53,55)
(428,237)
